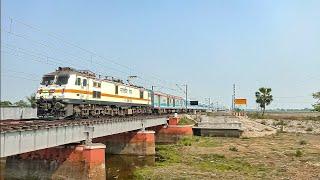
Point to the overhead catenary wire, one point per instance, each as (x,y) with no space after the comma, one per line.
(96,63)
(53,35)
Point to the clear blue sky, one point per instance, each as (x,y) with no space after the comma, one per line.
(207,44)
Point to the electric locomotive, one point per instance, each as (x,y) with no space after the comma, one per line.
(68,92)
(75,93)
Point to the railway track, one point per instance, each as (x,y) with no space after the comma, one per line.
(25,125)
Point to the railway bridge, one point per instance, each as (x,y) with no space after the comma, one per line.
(82,141)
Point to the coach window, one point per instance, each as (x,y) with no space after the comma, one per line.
(99,85)
(84,82)
(78,81)
(174,103)
(168,101)
(141,94)
(116,89)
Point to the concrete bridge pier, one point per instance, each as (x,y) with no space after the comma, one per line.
(62,162)
(130,143)
(172,132)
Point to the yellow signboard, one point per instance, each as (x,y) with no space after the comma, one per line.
(240,101)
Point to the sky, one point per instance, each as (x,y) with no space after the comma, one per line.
(209,45)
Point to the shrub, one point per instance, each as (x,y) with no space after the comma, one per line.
(186,141)
(233,149)
(309,129)
(186,121)
(303,142)
(298,153)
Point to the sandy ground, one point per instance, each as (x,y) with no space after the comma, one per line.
(255,129)
(301,126)
(250,128)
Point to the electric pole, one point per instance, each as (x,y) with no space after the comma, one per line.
(186,97)
(186,93)
(233,96)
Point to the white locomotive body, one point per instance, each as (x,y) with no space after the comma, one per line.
(68,92)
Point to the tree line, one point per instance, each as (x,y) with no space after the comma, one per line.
(30,101)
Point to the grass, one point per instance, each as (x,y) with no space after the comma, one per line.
(173,155)
(167,154)
(217,162)
(186,121)
(215,158)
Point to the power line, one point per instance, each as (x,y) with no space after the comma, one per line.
(18,77)
(91,53)
(77,46)
(95,63)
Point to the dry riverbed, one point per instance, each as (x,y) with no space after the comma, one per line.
(278,156)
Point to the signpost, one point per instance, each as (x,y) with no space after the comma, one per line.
(240,101)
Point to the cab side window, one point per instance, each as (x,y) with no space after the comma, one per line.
(141,94)
(78,81)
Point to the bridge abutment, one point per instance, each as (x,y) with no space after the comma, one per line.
(130,143)
(62,162)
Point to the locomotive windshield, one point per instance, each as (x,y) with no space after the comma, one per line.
(47,80)
(62,79)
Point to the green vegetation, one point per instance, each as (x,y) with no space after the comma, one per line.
(298,153)
(186,121)
(216,158)
(5,103)
(217,162)
(31,102)
(264,98)
(317,97)
(175,155)
(233,148)
(302,142)
(167,154)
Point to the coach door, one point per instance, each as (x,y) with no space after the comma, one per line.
(85,87)
(159,105)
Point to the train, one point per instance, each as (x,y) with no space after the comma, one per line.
(71,93)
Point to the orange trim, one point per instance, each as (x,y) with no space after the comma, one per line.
(102,94)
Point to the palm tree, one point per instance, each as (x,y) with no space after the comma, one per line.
(264,98)
(317,105)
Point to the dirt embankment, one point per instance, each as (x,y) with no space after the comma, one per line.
(291,122)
